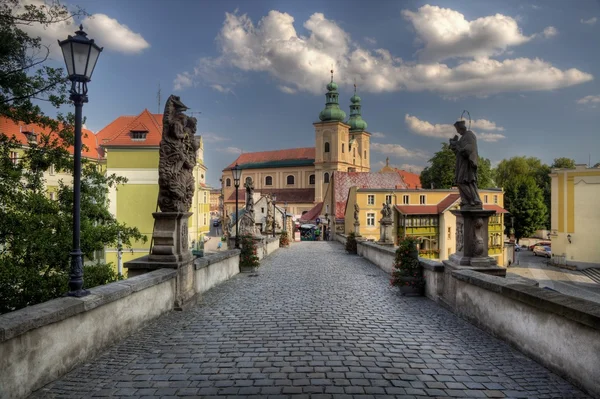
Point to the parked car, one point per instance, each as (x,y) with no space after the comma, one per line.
(216,223)
(537,244)
(517,247)
(542,250)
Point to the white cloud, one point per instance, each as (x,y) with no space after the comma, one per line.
(428,129)
(370,40)
(549,32)
(183,81)
(591,100)
(106,31)
(590,21)
(213,137)
(398,151)
(222,89)
(230,150)
(286,89)
(378,135)
(301,63)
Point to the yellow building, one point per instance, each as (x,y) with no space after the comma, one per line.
(425,215)
(575,215)
(130,145)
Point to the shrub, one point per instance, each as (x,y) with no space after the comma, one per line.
(407,269)
(99,274)
(284,240)
(248,255)
(351,245)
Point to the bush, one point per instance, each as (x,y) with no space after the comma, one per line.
(248,255)
(99,274)
(407,269)
(284,240)
(351,245)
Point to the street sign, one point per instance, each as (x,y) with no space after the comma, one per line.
(318,220)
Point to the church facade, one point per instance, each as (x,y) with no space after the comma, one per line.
(300,177)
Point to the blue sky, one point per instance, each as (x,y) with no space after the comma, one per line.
(527,72)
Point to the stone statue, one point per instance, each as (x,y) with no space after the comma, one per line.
(386,212)
(177,153)
(269,217)
(247,224)
(226,223)
(356,211)
(465,148)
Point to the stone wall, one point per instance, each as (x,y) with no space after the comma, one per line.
(559,331)
(40,343)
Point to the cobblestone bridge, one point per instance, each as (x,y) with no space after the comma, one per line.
(317,322)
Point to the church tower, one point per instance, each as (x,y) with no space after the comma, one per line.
(332,141)
(360,139)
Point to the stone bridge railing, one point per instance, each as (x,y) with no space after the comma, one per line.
(40,343)
(559,331)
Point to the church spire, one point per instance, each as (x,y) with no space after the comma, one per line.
(332,111)
(356,122)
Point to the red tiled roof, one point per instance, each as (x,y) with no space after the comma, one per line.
(417,209)
(344,180)
(118,132)
(274,156)
(312,214)
(412,180)
(447,202)
(289,195)
(494,207)
(10,128)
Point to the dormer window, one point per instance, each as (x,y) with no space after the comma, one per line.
(138,135)
(31,137)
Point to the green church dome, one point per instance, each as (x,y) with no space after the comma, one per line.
(356,122)
(332,111)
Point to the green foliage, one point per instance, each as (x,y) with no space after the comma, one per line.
(351,244)
(24,79)
(248,255)
(563,163)
(284,239)
(407,269)
(440,173)
(525,202)
(99,274)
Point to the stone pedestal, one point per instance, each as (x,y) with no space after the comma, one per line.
(170,250)
(356,229)
(471,250)
(385,232)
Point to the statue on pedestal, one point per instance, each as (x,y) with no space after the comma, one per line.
(247,224)
(356,212)
(385,225)
(465,148)
(386,213)
(269,217)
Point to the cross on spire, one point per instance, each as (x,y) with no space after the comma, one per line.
(332,72)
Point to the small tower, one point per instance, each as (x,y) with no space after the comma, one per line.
(331,141)
(359,137)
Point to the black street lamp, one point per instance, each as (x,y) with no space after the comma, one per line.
(285,216)
(236,171)
(80,54)
(274,213)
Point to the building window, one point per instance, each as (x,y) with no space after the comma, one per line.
(205,197)
(365,154)
(327,208)
(268,181)
(51,170)
(138,136)
(53,196)
(371,199)
(354,152)
(290,180)
(388,199)
(370,219)
(326,177)
(228,182)
(343,148)
(262,210)
(495,199)
(311,179)
(485,199)
(405,199)
(326,147)
(14,157)
(449,233)
(422,200)
(351,169)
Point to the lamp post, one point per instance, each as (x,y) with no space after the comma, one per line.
(274,213)
(236,171)
(80,54)
(285,216)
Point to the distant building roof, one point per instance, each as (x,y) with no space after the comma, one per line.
(120,132)
(312,214)
(342,181)
(412,180)
(20,131)
(275,159)
(442,206)
(289,195)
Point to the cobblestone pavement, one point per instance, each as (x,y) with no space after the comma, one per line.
(315,322)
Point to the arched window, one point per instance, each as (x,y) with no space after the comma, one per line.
(342,148)
(326,147)
(290,180)
(326,178)
(268,181)
(311,179)
(228,182)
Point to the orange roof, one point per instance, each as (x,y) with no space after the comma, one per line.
(496,208)
(412,180)
(418,209)
(118,132)
(277,156)
(10,128)
(447,202)
(313,213)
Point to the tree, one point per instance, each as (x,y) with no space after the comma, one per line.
(23,76)
(563,163)
(597,165)
(524,200)
(440,174)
